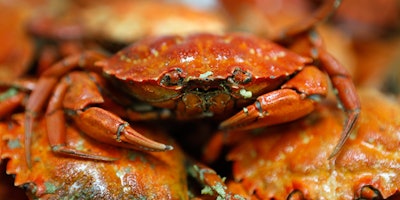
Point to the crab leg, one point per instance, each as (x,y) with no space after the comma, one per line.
(56,130)
(55,114)
(22,84)
(323,13)
(96,122)
(10,100)
(209,179)
(34,105)
(341,81)
(13,97)
(346,92)
(295,99)
(275,107)
(44,87)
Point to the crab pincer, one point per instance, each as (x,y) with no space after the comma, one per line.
(55,83)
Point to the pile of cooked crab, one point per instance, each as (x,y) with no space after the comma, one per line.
(165,100)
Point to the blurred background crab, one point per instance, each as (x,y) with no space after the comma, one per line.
(93,24)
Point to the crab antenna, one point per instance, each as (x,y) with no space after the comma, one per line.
(323,13)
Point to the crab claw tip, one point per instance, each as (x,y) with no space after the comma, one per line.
(349,125)
(168,147)
(242,121)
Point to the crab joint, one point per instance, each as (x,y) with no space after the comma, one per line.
(120,129)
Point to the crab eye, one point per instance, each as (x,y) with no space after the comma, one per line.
(240,76)
(172,78)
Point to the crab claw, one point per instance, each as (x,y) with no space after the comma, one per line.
(127,134)
(109,128)
(275,107)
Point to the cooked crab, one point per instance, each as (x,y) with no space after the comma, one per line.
(133,174)
(291,162)
(187,77)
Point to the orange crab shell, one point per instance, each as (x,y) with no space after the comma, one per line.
(17,49)
(122,21)
(132,175)
(126,21)
(294,157)
(267,17)
(202,60)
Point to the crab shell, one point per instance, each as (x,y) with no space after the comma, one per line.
(127,21)
(292,160)
(17,49)
(221,70)
(133,175)
(121,21)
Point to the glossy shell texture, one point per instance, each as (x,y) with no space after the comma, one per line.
(133,175)
(203,55)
